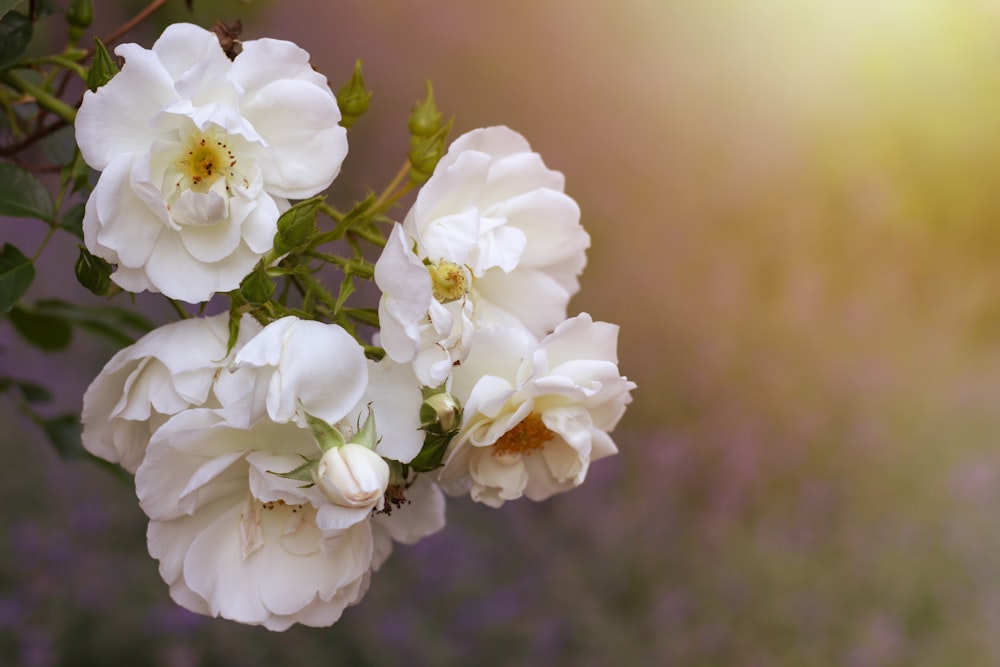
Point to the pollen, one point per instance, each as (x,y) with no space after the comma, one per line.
(528,436)
(205,160)
(448,281)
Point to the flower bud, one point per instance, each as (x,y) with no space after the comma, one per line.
(93,272)
(257,287)
(353,476)
(425,119)
(440,412)
(353,98)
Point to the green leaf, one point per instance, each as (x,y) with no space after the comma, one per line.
(109,321)
(64,434)
(16,275)
(346,290)
(102,68)
(33,393)
(7,5)
(22,195)
(432,453)
(43,331)
(72,220)
(15,35)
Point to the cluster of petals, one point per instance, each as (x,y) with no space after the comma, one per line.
(199,156)
(234,537)
(536,412)
(492,239)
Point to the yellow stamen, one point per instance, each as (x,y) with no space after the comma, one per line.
(529,435)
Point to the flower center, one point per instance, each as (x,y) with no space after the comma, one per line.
(205,160)
(449,281)
(529,435)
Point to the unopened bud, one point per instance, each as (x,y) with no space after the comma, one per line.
(93,272)
(353,98)
(425,119)
(353,476)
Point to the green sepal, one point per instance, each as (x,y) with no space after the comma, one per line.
(367,435)
(296,227)
(353,98)
(325,435)
(425,119)
(302,473)
(102,68)
(93,272)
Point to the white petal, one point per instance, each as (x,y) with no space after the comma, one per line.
(127,230)
(307,145)
(115,120)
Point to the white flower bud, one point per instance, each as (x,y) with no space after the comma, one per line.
(353,476)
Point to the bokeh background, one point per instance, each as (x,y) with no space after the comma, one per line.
(795,215)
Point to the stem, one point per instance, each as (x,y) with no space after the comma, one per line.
(42,97)
(388,197)
(134,21)
(45,242)
(180,309)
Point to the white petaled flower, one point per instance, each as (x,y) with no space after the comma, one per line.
(235,537)
(535,414)
(492,239)
(412,517)
(170,369)
(199,155)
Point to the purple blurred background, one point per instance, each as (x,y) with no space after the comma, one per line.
(796,222)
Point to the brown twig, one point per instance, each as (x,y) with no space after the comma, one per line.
(134,21)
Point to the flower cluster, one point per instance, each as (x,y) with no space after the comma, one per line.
(278,450)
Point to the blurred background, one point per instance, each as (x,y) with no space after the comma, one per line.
(795,215)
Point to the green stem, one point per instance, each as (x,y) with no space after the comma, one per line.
(42,97)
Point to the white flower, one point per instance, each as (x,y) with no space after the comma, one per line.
(353,476)
(536,415)
(304,364)
(394,398)
(168,370)
(199,156)
(237,538)
(491,239)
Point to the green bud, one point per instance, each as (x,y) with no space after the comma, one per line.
(297,227)
(425,119)
(353,98)
(93,272)
(102,68)
(426,152)
(79,15)
(257,287)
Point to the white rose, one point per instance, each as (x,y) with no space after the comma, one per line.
(491,239)
(199,156)
(236,540)
(353,476)
(168,370)
(535,414)
(234,536)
